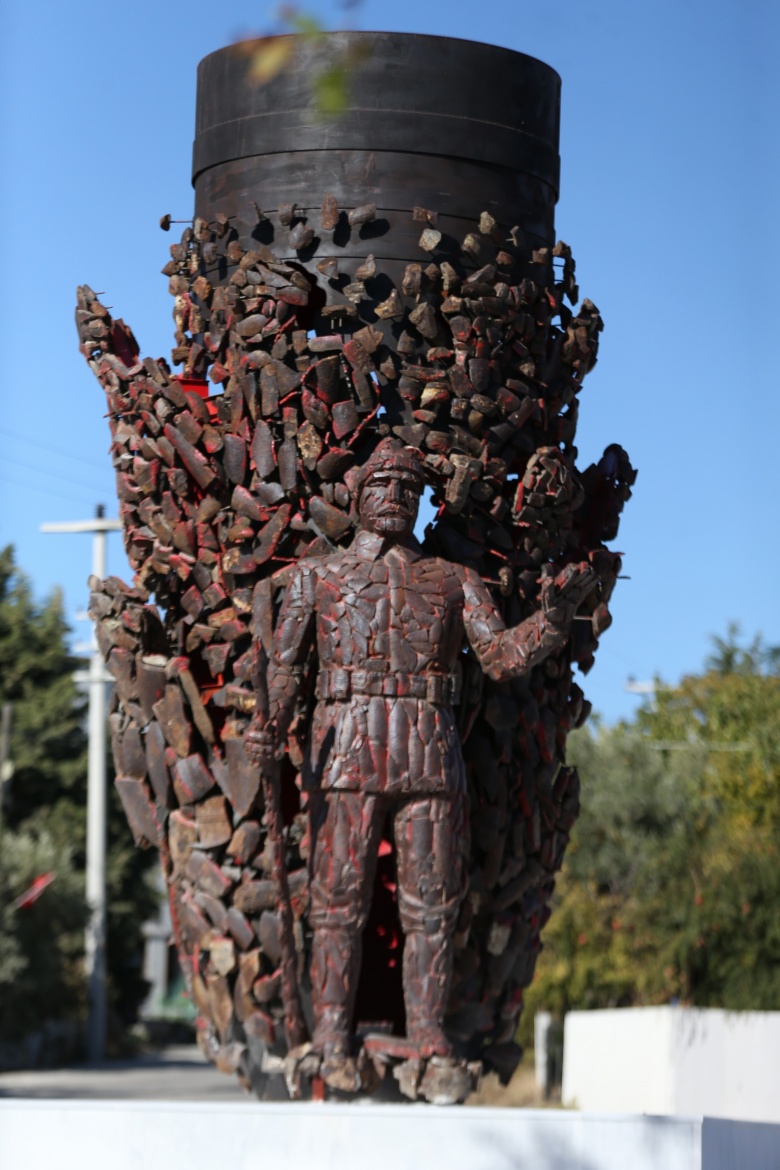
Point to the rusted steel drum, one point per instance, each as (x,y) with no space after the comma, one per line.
(450,125)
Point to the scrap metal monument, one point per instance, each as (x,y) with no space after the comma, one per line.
(350,747)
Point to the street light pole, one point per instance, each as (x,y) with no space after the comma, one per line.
(96,802)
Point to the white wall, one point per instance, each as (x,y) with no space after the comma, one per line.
(674,1060)
(728,1058)
(126,1135)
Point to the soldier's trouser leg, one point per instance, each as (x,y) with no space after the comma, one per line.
(346,828)
(430,841)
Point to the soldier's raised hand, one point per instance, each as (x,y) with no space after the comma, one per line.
(561,596)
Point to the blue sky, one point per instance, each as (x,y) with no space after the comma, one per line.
(668,197)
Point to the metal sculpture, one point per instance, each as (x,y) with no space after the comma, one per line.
(260,764)
(388,624)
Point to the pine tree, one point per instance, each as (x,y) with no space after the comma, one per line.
(44,829)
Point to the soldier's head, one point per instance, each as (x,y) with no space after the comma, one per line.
(387,489)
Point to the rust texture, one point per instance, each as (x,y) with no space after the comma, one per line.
(421,748)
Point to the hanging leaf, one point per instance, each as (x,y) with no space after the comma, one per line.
(331,91)
(270,57)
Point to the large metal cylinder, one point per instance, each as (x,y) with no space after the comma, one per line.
(454,126)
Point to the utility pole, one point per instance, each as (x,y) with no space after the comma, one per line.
(96,678)
(642,688)
(6,767)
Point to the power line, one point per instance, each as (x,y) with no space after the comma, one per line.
(61,495)
(674,745)
(52,474)
(51,450)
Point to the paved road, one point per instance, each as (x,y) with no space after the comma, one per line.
(180,1073)
(176,1074)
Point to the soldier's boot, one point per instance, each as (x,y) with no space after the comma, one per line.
(335,964)
(426,978)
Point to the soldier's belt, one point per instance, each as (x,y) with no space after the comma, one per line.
(339,683)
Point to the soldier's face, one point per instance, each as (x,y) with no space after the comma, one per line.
(389,503)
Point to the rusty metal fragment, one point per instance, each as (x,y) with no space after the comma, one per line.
(140,811)
(363,214)
(430,239)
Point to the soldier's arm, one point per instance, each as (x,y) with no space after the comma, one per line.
(291,641)
(504,653)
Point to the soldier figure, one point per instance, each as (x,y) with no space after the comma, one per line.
(389,621)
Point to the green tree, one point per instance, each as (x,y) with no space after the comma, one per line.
(725,858)
(41,945)
(44,829)
(671,886)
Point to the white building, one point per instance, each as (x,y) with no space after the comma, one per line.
(673,1060)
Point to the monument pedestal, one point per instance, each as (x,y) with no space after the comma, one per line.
(89,1135)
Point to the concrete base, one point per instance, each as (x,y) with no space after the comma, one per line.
(125,1135)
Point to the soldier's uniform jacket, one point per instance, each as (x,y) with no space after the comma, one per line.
(389,623)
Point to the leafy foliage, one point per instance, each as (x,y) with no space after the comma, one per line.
(671,887)
(44,829)
(41,945)
(271,55)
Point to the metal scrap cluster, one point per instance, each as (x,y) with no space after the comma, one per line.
(472,356)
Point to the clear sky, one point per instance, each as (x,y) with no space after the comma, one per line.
(669,192)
